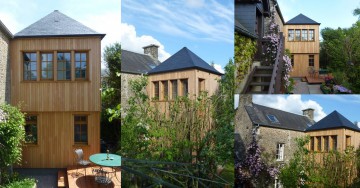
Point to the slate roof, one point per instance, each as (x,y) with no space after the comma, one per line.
(301,20)
(258,115)
(333,121)
(56,24)
(241,29)
(5,30)
(136,63)
(182,60)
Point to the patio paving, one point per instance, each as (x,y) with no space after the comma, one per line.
(305,88)
(46,177)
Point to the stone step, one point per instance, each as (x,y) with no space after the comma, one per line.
(262,75)
(260,84)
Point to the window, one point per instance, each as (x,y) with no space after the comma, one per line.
(272,118)
(47,66)
(30,66)
(201,85)
(277,183)
(348,141)
(63,66)
(80,129)
(318,139)
(156,90)
(292,60)
(280,152)
(174,87)
(334,142)
(311,61)
(297,34)
(312,144)
(185,89)
(304,35)
(326,143)
(311,35)
(165,90)
(31,129)
(80,65)
(291,35)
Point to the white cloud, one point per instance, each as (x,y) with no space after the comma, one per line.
(194,3)
(290,103)
(358,124)
(219,68)
(130,41)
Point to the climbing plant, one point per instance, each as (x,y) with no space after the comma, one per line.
(272,40)
(245,49)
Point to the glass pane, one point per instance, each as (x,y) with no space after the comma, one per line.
(83,74)
(77,74)
(83,56)
(33,75)
(83,65)
(77,57)
(33,57)
(61,75)
(26,57)
(44,74)
(68,75)
(50,57)
(60,56)
(44,57)
(77,65)
(61,66)
(33,66)
(68,65)
(67,56)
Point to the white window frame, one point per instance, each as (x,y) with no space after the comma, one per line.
(277,183)
(280,147)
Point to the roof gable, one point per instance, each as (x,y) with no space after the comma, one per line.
(136,63)
(183,60)
(333,121)
(301,20)
(56,24)
(270,117)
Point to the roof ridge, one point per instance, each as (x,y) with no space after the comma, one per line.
(280,110)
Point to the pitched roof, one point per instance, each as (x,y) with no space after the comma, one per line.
(285,120)
(183,60)
(333,121)
(136,63)
(56,24)
(5,30)
(301,20)
(241,29)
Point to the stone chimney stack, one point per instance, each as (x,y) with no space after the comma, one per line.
(151,50)
(309,113)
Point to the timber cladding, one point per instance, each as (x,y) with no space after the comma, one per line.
(55,102)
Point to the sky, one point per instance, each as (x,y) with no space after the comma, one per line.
(347,105)
(206,27)
(102,16)
(330,13)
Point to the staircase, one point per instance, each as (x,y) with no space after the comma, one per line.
(259,80)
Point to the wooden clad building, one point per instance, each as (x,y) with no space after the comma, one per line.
(55,76)
(302,39)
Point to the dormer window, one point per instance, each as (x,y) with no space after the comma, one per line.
(272,118)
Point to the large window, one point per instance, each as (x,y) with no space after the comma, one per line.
(280,152)
(291,35)
(156,90)
(80,65)
(318,140)
(174,87)
(47,66)
(334,142)
(311,35)
(64,66)
(30,66)
(326,144)
(304,35)
(311,61)
(184,87)
(31,129)
(297,35)
(165,90)
(80,129)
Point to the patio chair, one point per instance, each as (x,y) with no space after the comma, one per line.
(80,160)
(101,176)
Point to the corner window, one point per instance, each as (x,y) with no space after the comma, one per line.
(291,35)
(80,65)
(30,66)
(311,61)
(272,118)
(174,87)
(31,129)
(64,66)
(47,66)
(311,35)
(280,152)
(80,129)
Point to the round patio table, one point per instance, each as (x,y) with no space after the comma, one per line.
(107,160)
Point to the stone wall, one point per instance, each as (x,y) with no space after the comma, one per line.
(277,19)
(126,92)
(4,68)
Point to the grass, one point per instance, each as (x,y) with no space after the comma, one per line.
(228,173)
(23,183)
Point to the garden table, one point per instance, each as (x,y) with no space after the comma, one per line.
(105,160)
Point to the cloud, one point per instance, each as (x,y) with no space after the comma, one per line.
(290,103)
(194,3)
(130,41)
(219,68)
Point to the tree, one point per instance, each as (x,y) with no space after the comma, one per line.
(357,12)
(12,134)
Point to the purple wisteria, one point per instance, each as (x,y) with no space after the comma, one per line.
(272,39)
(287,70)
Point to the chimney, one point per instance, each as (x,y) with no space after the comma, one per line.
(151,50)
(309,113)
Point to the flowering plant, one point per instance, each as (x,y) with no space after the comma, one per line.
(272,40)
(289,84)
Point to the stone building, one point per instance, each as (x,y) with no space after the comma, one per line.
(5,37)
(279,19)
(133,65)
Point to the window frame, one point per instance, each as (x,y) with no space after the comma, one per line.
(86,63)
(201,85)
(165,90)
(302,34)
(311,60)
(28,123)
(296,35)
(272,118)
(280,151)
(291,35)
(312,34)
(41,65)
(30,71)
(176,91)
(63,70)
(318,143)
(81,123)
(184,87)
(156,85)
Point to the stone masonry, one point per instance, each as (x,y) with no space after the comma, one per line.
(126,92)
(277,17)
(4,65)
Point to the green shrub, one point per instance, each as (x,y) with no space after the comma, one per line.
(24,183)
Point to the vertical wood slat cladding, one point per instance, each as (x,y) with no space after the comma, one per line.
(56,95)
(302,46)
(301,64)
(56,151)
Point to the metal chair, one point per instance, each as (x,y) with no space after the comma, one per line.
(80,159)
(101,176)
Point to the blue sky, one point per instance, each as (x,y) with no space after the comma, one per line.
(102,16)
(205,27)
(330,13)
